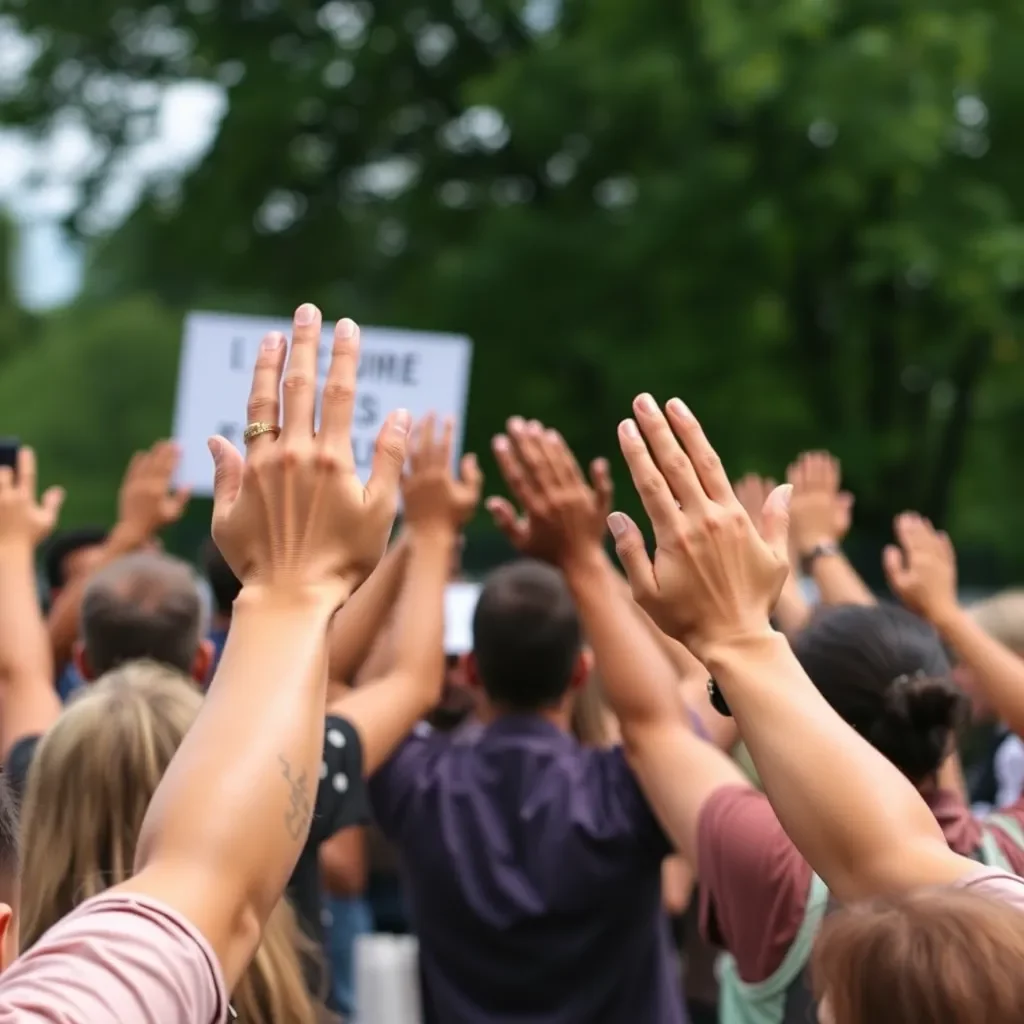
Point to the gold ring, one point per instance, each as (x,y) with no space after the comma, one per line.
(258,429)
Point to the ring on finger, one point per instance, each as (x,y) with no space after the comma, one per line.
(258,429)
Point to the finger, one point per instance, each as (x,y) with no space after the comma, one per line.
(602,483)
(166,456)
(299,384)
(894,566)
(443,450)
(632,552)
(703,457)
(507,519)
(264,405)
(389,457)
(422,444)
(53,502)
(560,458)
(339,398)
(528,441)
(470,473)
(512,469)
(179,501)
(227,474)
(947,546)
(657,497)
(26,476)
(775,521)
(672,460)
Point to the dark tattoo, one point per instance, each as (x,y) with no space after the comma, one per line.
(299,814)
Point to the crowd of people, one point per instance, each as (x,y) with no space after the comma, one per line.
(678,790)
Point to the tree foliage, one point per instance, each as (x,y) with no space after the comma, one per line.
(805,217)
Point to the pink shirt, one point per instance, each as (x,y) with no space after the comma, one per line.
(117,959)
(996,885)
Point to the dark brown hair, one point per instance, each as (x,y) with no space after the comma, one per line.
(931,957)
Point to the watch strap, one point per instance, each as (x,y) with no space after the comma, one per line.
(823,550)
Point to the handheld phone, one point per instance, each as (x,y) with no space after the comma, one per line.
(9,448)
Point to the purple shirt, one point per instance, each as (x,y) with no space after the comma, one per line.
(534,876)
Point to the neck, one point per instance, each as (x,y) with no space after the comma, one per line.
(559,716)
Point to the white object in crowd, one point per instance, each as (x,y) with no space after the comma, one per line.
(415,370)
(387,983)
(459,604)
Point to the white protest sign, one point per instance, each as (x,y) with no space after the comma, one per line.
(414,370)
(459,605)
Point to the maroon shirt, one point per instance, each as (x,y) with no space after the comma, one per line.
(534,875)
(754,882)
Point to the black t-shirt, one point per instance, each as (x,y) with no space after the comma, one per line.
(341,801)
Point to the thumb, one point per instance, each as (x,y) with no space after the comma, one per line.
(506,519)
(469,471)
(895,568)
(632,552)
(52,502)
(228,465)
(775,520)
(389,455)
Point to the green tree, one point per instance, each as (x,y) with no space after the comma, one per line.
(805,218)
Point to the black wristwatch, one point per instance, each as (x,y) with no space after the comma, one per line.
(824,550)
(717,699)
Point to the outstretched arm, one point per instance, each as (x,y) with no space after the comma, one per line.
(301,532)
(861,824)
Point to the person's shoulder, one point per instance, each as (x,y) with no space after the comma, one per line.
(997,885)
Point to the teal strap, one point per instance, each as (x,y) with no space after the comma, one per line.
(990,854)
(1010,826)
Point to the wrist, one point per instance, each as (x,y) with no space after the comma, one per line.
(126,537)
(439,535)
(722,654)
(583,562)
(944,617)
(17,547)
(314,601)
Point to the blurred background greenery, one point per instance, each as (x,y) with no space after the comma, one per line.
(805,217)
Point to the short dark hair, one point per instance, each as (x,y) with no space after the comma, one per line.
(526,636)
(66,543)
(225,585)
(143,606)
(8,840)
(885,673)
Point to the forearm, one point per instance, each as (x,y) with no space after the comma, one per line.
(639,680)
(792,612)
(65,615)
(356,625)
(29,701)
(253,754)
(849,811)
(838,582)
(386,709)
(999,672)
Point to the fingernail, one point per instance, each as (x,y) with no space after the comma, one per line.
(551,435)
(678,406)
(629,428)
(601,464)
(645,403)
(214,444)
(491,503)
(273,341)
(617,524)
(346,328)
(500,443)
(403,420)
(785,496)
(305,314)
(516,423)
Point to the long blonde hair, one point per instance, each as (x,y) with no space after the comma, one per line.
(92,778)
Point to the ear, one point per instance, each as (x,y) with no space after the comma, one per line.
(81,660)
(202,663)
(471,671)
(582,669)
(8,937)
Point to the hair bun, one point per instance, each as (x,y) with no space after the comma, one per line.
(920,714)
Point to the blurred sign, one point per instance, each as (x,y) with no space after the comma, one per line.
(415,370)
(459,605)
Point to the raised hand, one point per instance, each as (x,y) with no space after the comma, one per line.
(146,502)
(922,570)
(293,514)
(820,513)
(434,500)
(714,578)
(564,516)
(752,492)
(24,521)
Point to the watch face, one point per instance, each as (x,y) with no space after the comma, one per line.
(717,700)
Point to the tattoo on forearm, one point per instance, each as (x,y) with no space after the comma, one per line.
(300,813)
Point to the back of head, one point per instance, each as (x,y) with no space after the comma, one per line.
(1002,617)
(223,582)
(936,956)
(144,606)
(91,781)
(526,636)
(885,673)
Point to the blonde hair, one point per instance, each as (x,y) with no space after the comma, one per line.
(91,780)
(1002,617)
(933,957)
(592,721)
